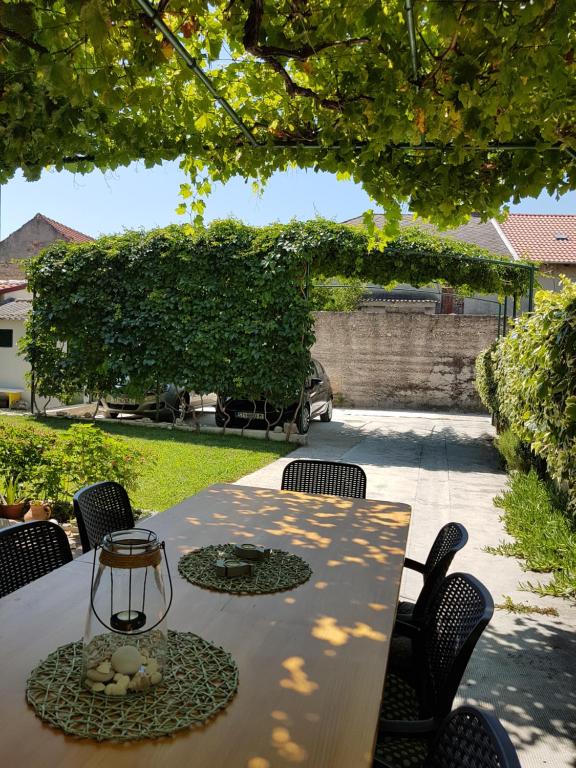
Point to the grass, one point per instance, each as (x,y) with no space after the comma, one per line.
(535,514)
(523,608)
(179,464)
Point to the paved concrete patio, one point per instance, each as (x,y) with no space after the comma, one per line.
(524,667)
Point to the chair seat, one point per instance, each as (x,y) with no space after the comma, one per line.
(405,609)
(400,702)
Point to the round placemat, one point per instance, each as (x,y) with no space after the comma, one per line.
(199,681)
(278,572)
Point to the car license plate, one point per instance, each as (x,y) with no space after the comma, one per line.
(250,415)
(123,401)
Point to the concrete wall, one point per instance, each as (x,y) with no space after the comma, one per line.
(397,360)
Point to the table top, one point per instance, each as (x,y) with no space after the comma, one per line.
(312,660)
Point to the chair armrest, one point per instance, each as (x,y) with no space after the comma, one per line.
(407,727)
(414,565)
(406,628)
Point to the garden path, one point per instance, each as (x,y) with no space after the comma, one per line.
(446,467)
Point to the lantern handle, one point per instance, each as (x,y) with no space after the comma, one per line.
(144,631)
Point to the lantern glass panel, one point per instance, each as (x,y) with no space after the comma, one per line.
(125,639)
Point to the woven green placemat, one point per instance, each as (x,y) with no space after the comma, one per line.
(276,573)
(200,680)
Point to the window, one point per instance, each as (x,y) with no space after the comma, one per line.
(6,339)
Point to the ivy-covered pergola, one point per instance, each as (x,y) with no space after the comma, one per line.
(220,309)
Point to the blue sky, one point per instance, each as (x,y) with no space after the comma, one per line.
(137,197)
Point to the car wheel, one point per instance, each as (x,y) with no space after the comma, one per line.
(327,415)
(303,421)
(113,415)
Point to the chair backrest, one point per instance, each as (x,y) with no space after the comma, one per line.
(459,612)
(332,477)
(29,551)
(451,538)
(100,509)
(471,738)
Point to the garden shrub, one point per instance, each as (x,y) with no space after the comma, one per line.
(535,371)
(80,456)
(22,448)
(55,467)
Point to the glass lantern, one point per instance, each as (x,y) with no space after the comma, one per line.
(126,635)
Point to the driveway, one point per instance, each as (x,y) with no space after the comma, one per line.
(445,466)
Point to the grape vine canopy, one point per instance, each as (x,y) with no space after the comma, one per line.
(452,106)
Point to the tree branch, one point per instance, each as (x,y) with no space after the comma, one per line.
(252,33)
(10,33)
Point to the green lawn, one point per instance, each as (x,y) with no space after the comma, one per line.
(179,464)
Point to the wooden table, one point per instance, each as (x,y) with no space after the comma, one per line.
(312,660)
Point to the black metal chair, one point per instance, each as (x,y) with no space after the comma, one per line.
(100,509)
(331,477)
(472,738)
(415,704)
(451,538)
(29,551)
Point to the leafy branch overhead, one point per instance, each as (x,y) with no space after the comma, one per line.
(323,84)
(222,310)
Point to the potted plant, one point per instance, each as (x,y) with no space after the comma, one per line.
(38,510)
(11,499)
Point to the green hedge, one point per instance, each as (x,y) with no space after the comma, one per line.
(535,374)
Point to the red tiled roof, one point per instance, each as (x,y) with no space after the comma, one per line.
(67,233)
(12,285)
(547,238)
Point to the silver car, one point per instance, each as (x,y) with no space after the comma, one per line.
(173,402)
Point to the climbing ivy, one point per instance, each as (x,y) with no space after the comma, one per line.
(535,372)
(223,309)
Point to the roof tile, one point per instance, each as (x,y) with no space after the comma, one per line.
(15,310)
(534,236)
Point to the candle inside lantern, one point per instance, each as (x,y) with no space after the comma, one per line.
(128,621)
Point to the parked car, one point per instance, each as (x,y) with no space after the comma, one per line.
(318,397)
(173,402)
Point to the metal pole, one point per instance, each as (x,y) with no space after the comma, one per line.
(531,290)
(32,358)
(412,35)
(504,323)
(499,317)
(190,61)
(515,305)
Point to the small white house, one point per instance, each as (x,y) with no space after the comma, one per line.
(15,304)
(15,301)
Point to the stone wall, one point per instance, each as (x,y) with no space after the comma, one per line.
(397,360)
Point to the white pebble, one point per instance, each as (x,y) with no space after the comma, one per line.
(152,666)
(155,678)
(98,687)
(115,689)
(99,677)
(127,660)
(104,667)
